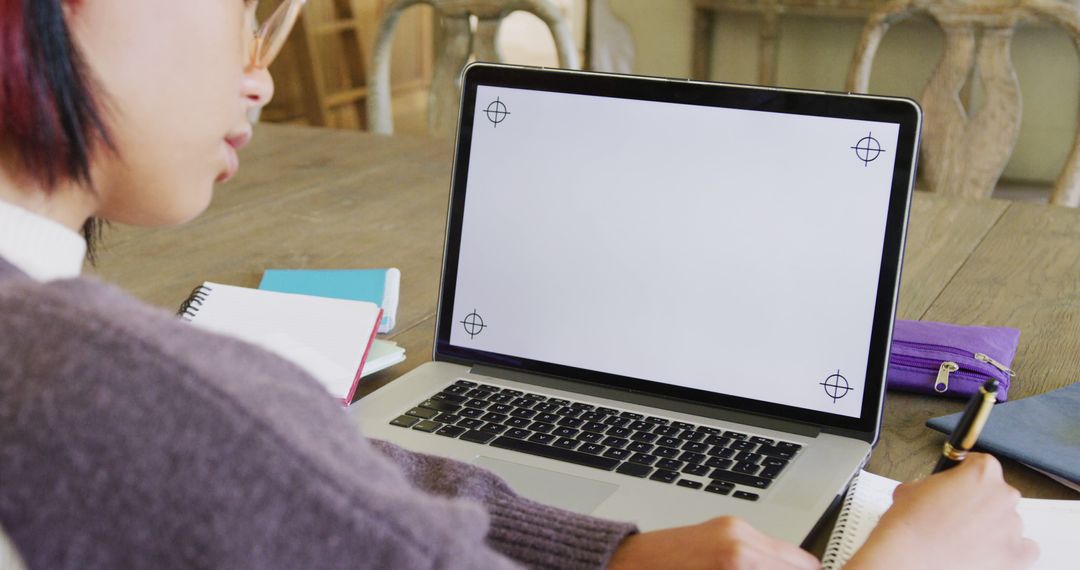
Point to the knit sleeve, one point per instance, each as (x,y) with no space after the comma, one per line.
(534,534)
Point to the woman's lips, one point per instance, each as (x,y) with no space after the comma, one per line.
(234,143)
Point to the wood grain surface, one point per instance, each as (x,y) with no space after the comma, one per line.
(311,198)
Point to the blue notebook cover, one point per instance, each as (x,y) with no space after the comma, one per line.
(1041,431)
(379,286)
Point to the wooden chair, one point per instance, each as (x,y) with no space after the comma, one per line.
(964,150)
(459,41)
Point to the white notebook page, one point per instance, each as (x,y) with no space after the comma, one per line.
(326,337)
(1053,524)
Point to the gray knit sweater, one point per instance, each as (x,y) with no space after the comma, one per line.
(129,439)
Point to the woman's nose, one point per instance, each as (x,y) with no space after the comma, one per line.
(257,87)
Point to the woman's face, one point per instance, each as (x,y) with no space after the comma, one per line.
(174,85)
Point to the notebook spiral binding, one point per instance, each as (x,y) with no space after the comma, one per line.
(191,305)
(840,547)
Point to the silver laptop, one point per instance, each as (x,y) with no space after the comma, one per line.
(663,301)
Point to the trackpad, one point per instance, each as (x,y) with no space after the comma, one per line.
(549,487)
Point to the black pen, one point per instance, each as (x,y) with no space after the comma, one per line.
(969,427)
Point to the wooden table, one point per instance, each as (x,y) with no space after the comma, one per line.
(310,198)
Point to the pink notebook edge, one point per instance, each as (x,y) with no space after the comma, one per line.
(347,400)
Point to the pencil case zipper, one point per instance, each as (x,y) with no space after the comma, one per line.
(946,363)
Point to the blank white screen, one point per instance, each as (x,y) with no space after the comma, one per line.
(725,250)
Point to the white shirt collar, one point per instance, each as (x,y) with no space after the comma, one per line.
(42,248)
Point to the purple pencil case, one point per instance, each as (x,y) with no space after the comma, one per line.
(950,360)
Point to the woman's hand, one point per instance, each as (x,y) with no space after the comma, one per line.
(962,518)
(724,543)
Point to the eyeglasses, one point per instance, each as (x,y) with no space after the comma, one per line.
(270,36)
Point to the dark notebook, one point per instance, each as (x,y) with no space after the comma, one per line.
(1042,432)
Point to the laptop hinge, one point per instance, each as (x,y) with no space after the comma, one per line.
(651,400)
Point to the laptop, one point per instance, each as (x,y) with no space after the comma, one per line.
(663,301)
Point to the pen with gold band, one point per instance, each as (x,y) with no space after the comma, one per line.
(969,427)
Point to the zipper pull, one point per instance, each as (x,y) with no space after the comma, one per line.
(942,382)
(984,358)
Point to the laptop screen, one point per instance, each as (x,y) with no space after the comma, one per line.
(732,251)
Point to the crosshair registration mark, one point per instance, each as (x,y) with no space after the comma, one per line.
(496,112)
(473,323)
(868,149)
(836,386)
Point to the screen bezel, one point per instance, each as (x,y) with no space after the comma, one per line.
(903,112)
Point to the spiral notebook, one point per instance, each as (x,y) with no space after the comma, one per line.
(329,338)
(1050,523)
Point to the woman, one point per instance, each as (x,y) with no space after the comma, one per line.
(128,439)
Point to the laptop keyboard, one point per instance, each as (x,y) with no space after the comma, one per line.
(662,450)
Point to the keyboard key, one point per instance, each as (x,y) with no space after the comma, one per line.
(517,422)
(608,411)
(470,423)
(512,392)
(494,428)
(470,412)
(568,412)
(776,452)
(691,457)
(593,448)
(404,421)
(788,446)
(616,453)
(523,402)
(593,416)
(644,437)
(688,435)
(546,407)
(477,436)
(537,397)
(477,403)
(559,401)
(565,431)
(616,421)
(634,469)
(613,441)
(427,426)
(501,398)
(619,431)
(718,440)
(745,495)
(596,427)
(479,393)
(493,417)
(570,422)
(748,456)
(590,437)
(447,418)
(763,440)
(719,463)
(518,433)
(722,452)
(656,420)
(740,478)
(457,389)
(450,431)
(746,467)
(631,415)
(670,431)
(488,387)
(718,489)
(770,472)
(666,452)
(523,413)
(546,418)
(670,464)
(669,442)
(642,458)
(734,435)
(582,406)
(424,413)
(544,438)
(689,484)
(683,425)
(466,383)
(448,397)
(743,445)
(566,443)
(568,455)
(664,476)
(640,425)
(638,447)
(773,462)
(695,446)
(708,430)
(501,408)
(699,470)
(440,405)
(541,427)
